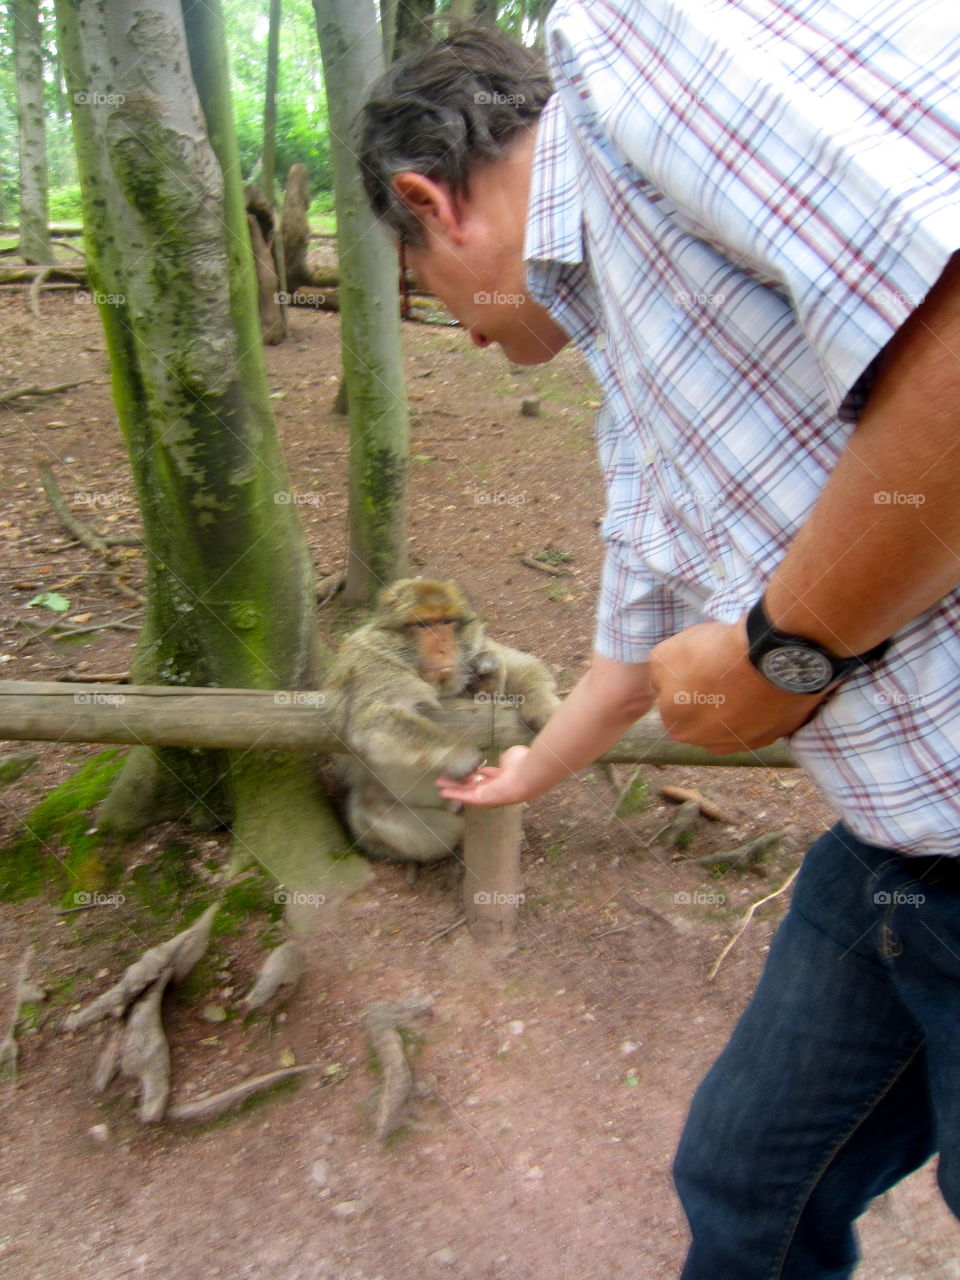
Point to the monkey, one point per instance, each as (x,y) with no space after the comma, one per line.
(424,643)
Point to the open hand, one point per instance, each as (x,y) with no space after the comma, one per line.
(491,785)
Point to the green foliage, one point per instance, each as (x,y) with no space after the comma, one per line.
(65,204)
(57,845)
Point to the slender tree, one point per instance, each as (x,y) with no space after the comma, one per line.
(414,24)
(352,53)
(28,47)
(231,598)
(268,169)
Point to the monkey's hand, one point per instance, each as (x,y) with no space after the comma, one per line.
(490,786)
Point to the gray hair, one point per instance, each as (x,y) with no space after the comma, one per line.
(441,109)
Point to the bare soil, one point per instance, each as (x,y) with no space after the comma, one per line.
(552,1085)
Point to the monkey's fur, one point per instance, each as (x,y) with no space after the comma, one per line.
(424,644)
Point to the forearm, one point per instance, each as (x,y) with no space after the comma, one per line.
(595,715)
(883,542)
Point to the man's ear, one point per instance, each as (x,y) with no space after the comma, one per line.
(431,202)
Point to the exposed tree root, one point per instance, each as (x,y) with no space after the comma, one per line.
(282,968)
(381,1022)
(7,397)
(746,920)
(23,991)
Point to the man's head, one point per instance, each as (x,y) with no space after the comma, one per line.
(446,146)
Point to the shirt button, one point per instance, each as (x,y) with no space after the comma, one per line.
(649,457)
(600,342)
(718,570)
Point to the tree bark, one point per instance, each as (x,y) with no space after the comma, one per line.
(370,326)
(294,226)
(414,25)
(268,167)
(34,237)
(291,720)
(230,584)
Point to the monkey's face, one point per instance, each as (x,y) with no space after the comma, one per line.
(439,659)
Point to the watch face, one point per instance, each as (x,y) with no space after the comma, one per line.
(797,669)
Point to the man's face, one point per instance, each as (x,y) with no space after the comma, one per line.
(489,297)
(473,256)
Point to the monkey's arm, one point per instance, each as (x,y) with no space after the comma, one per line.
(529,681)
(602,706)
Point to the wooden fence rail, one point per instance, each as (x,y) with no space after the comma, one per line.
(296,720)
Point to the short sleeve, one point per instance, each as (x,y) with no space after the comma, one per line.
(820,153)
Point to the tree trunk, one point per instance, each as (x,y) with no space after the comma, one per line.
(230,584)
(34,238)
(370,324)
(414,25)
(485,12)
(294,226)
(270,105)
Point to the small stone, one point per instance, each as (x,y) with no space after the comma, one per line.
(320,1173)
(443,1257)
(349,1209)
(100,1133)
(213,1013)
(288,1058)
(530,407)
(516,1027)
(533,1174)
(628,1047)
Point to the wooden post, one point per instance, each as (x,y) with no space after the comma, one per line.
(491,877)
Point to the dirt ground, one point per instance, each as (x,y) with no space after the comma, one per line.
(552,1084)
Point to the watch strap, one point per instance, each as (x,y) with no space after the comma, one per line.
(762,636)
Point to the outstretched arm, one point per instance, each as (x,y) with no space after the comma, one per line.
(602,706)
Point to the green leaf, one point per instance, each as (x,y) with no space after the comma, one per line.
(51,600)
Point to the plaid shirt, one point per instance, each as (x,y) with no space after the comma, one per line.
(734,206)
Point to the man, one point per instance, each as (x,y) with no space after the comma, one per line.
(745,213)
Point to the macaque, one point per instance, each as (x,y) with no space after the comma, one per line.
(424,644)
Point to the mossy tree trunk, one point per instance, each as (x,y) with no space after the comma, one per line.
(414,25)
(230,584)
(34,237)
(352,52)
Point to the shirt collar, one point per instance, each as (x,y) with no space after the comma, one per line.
(554,231)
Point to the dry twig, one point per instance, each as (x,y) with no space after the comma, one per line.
(746,920)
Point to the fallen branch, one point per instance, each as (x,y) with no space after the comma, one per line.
(7,397)
(542,567)
(746,920)
(177,716)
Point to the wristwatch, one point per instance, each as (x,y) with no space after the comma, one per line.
(795,664)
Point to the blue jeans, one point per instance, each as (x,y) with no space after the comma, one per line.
(842,1075)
